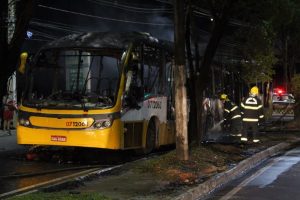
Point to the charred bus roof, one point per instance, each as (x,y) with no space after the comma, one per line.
(99,40)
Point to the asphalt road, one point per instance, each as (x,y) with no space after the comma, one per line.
(276,179)
(12,162)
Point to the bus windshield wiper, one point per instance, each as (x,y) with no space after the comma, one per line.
(87,77)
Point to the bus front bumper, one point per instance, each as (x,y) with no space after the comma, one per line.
(109,138)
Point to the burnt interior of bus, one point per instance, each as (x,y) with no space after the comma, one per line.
(84,71)
(74,79)
(149,73)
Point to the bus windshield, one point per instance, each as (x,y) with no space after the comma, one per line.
(76,79)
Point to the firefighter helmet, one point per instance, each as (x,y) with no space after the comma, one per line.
(224,97)
(254,90)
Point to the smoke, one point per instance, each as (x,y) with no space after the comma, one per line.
(158,24)
(56,18)
(162,32)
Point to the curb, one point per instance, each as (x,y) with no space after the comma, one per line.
(208,186)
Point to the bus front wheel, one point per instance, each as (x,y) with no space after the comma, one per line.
(150,137)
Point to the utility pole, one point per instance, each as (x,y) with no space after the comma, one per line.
(182,150)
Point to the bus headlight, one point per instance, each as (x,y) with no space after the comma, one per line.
(97,124)
(24,122)
(106,123)
(103,124)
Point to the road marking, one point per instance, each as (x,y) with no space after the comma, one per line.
(230,194)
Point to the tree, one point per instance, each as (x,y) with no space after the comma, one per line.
(295,89)
(180,79)
(259,54)
(10,51)
(285,21)
(199,78)
(258,70)
(250,15)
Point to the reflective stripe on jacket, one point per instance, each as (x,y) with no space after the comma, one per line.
(232,111)
(252,109)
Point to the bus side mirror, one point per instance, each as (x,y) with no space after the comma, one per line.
(23,60)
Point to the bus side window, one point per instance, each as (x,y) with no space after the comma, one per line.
(170,90)
(133,89)
(151,70)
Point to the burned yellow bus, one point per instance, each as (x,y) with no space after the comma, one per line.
(99,90)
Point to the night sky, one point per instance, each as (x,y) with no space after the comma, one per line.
(57,18)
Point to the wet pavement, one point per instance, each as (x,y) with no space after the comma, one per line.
(278,178)
(13,167)
(14,163)
(16,169)
(9,142)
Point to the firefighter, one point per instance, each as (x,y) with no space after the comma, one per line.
(252,114)
(232,116)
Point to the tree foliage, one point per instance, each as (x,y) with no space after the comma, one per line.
(295,86)
(259,54)
(260,69)
(295,89)
(260,28)
(286,25)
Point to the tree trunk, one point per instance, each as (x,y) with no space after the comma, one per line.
(199,101)
(180,78)
(285,64)
(191,80)
(205,69)
(198,98)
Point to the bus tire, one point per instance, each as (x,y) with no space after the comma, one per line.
(150,137)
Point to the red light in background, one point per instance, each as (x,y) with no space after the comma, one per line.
(278,91)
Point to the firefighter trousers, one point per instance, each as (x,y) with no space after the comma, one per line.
(250,130)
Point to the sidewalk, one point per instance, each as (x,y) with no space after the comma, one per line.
(9,142)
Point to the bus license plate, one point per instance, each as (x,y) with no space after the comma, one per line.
(58,138)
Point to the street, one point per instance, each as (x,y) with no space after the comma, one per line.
(189,99)
(277,178)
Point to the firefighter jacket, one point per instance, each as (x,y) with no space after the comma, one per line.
(231,111)
(252,109)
